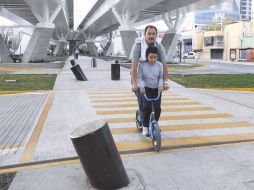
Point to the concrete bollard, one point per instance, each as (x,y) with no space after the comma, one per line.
(99,157)
(77,71)
(93,63)
(73,62)
(115,71)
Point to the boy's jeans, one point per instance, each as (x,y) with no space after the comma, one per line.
(147,106)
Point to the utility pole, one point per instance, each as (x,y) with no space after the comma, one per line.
(180,49)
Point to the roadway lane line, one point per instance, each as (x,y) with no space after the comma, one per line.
(236,89)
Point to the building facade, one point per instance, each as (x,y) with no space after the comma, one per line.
(235,43)
(245,9)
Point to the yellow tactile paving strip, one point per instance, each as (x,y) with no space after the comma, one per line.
(15,92)
(11,146)
(193,68)
(19,68)
(31,145)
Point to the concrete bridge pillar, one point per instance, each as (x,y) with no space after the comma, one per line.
(39,42)
(92,49)
(172,36)
(4,52)
(127,31)
(59,50)
(108,44)
(128,39)
(61,43)
(110,50)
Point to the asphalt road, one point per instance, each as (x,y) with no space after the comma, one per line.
(218,68)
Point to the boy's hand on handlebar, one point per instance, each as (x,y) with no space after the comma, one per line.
(142,90)
(160,88)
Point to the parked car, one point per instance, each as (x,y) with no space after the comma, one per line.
(190,55)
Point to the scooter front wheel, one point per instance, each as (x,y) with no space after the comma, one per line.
(138,123)
(156,137)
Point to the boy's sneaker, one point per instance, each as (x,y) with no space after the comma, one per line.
(145,131)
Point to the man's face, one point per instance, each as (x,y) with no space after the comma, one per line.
(150,36)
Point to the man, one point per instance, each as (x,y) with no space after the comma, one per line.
(76,53)
(138,54)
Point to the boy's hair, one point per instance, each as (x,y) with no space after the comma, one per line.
(151,49)
(150,26)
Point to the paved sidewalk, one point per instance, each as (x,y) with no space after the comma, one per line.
(191,119)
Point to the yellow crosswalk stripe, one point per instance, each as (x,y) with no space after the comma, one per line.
(135,104)
(174,117)
(118,92)
(191,141)
(187,127)
(133,99)
(124,96)
(163,110)
(104,98)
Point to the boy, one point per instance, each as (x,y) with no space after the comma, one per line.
(150,81)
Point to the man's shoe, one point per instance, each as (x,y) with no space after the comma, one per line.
(145,131)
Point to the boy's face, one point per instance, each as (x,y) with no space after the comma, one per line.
(152,58)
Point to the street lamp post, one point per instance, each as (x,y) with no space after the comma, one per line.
(180,49)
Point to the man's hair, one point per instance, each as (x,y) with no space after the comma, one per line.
(151,49)
(150,26)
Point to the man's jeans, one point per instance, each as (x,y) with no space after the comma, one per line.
(140,104)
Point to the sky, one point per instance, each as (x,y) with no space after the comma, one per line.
(5,22)
(81,8)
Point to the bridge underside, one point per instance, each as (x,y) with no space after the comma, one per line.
(146,9)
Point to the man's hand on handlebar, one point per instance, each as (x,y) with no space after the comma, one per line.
(142,90)
(134,87)
(165,85)
(160,88)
